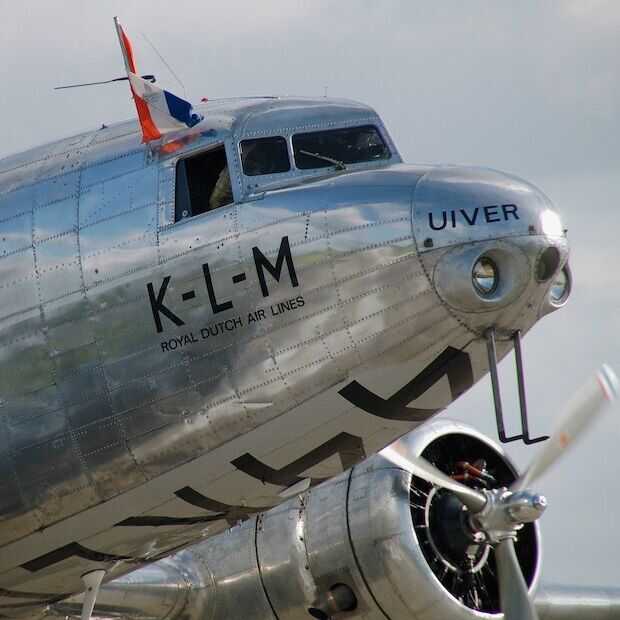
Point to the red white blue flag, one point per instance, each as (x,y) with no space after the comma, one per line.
(160,112)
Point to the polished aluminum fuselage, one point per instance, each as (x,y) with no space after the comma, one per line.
(120,442)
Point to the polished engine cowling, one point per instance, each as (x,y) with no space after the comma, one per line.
(374,542)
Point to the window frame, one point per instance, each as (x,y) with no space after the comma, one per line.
(223,144)
(347,127)
(289,155)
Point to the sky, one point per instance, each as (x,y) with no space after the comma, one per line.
(531,88)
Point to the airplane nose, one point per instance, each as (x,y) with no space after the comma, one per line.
(493,245)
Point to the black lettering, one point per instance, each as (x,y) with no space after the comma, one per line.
(261,262)
(471,221)
(489,212)
(257,315)
(164,346)
(215,306)
(453,218)
(510,210)
(157,305)
(432,224)
(232,324)
(301,302)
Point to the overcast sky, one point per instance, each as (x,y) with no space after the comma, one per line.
(532,88)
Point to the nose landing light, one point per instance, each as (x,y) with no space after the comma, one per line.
(485,276)
(560,287)
(548,264)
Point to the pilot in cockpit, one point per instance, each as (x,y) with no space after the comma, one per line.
(222,190)
(258,157)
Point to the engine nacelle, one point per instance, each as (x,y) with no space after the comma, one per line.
(373,543)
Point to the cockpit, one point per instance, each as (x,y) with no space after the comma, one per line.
(312,150)
(277,145)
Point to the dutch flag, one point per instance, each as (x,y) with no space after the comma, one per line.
(159,111)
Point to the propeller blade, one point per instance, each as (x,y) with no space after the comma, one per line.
(582,410)
(474,500)
(514,597)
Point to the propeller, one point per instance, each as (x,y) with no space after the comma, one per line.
(498,514)
(581,412)
(474,500)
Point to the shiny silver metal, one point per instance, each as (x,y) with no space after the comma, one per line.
(495,516)
(485,276)
(355,531)
(105,423)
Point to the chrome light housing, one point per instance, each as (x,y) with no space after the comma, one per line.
(560,287)
(485,276)
(482,277)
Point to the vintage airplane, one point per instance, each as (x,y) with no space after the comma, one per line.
(212,321)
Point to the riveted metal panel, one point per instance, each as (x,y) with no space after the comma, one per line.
(58,267)
(53,478)
(330,556)
(16,268)
(90,201)
(56,189)
(88,411)
(233,564)
(126,258)
(17,519)
(113,232)
(106,455)
(16,202)
(120,165)
(120,194)
(87,382)
(281,552)
(214,230)
(454,205)
(30,365)
(119,329)
(68,323)
(15,234)
(55,219)
(150,389)
(146,363)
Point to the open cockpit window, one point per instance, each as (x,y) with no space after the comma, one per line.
(352,145)
(202,183)
(264,156)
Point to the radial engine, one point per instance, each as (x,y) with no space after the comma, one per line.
(374,542)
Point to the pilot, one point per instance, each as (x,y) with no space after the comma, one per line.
(222,190)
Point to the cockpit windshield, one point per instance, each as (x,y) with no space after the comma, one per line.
(352,145)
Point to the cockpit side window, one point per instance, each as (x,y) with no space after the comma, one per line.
(264,156)
(202,183)
(352,145)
